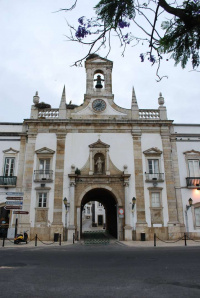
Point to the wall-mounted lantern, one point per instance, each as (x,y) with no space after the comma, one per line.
(190,204)
(133,203)
(66,203)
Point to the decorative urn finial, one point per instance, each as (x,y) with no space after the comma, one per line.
(36,98)
(161,100)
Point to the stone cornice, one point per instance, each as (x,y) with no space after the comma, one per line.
(100,121)
(10,134)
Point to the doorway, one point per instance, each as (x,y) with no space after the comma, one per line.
(100,220)
(107,201)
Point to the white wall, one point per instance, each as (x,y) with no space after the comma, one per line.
(13,127)
(4,145)
(44,140)
(183,170)
(148,141)
(187,128)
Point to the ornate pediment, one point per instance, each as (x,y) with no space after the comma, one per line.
(152,151)
(191,152)
(44,150)
(99,144)
(94,58)
(10,151)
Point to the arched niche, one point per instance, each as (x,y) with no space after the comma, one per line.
(99,163)
(99,154)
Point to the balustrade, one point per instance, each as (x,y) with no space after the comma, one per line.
(149,114)
(48,113)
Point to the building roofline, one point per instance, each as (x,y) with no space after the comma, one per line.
(11,123)
(186,124)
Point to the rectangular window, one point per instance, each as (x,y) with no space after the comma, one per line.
(197,216)
(9,166)
(194,168)
(153,166)
(155,199)
(42,200)
(44,165)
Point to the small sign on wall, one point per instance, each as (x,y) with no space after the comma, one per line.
(121,212)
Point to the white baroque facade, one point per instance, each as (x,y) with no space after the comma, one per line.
(101,152)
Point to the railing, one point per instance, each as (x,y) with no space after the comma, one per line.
(149,114)
(48,113)
(193,182)
(43,175)
(154,177)
(8,180)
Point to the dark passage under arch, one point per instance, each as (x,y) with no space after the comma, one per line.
(106,198)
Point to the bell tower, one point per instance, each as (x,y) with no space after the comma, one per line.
(98,78)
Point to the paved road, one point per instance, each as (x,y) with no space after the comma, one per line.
(87,226)
(99,271)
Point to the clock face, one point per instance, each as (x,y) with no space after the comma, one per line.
(99,105)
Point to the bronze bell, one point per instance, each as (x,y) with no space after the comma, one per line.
(99,80)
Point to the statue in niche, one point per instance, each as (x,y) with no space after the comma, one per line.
(99,164)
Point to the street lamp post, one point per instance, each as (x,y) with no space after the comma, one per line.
(67,204)
(186,214)
(133,206)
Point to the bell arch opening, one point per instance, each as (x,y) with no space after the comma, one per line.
(99,79)
(109,203)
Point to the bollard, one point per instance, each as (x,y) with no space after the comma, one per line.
(77,236)
(185,239)
(35,239)
(73,238)
(3,240)
(60,239)
(154,239)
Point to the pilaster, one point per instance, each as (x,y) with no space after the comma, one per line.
(24,221)
(22,152)
(169,176)
(57,224)
(139,184)
(127,228)
(177,183)
(71,228)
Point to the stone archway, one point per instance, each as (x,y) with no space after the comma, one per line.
(110,203)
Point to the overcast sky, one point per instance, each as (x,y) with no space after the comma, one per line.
(35,56)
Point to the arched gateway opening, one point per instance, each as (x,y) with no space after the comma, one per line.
(109,202)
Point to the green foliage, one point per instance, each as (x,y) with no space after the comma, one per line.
(111,12)
(182,37)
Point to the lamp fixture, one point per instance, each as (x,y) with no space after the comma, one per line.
(198,188)
(133,203)
(66,203)
(190,204)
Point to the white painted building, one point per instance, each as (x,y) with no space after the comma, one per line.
(101,152)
